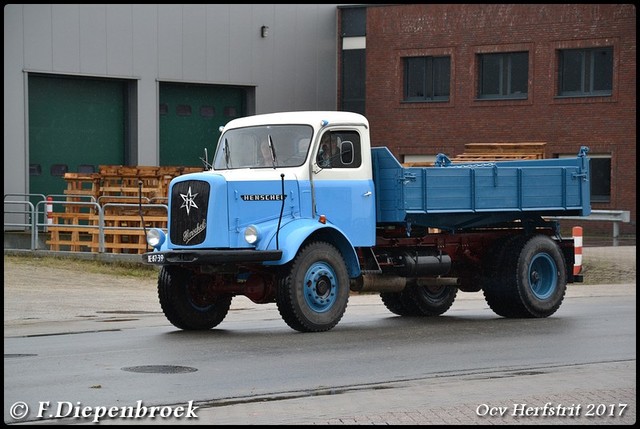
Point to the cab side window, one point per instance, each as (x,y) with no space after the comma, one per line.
(339,149)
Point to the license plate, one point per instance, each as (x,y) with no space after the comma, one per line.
(155,259)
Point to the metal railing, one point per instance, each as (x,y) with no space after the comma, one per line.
(614,216)
(37,220)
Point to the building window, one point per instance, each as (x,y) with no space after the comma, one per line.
(427,78)
(599,176)
(35,170)
(585,72)
(353,80)
(354,21)
(600,180)
(86,168)
(504,75)
(183,110)
(207,111)
(59,170)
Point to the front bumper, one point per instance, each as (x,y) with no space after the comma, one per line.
(204,257)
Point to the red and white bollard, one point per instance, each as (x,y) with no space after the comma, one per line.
(577,245)
(50,210)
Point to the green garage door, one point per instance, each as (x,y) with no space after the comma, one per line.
(74,126)
(190,116)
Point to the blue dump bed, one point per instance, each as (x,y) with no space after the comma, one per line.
(454,196)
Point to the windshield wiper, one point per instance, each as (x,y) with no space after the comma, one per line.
(272,147)
(227,152)
(205,160)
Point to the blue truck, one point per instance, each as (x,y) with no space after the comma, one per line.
(299,209)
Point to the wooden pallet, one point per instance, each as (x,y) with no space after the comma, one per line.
(481,157)
(76,228)
(123,228)
(71,231)
(130,241)
(487,152)
(483,152)
(70,228)
(79,184)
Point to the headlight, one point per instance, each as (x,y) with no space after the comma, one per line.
(251,234)
(155,238)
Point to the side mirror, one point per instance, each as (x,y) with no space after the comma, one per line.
(346,153)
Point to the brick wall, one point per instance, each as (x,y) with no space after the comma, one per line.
(605,124)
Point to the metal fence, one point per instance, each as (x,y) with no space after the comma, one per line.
(36,216)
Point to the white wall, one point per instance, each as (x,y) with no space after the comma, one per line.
(293,68)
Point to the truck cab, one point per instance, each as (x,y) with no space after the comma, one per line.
(275,181)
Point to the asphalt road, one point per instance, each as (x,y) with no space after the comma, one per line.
(78,338)
(373,368)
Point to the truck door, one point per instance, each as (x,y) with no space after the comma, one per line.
(343,185)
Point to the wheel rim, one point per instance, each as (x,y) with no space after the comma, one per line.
(199,295)
(320,287)
(543,278)
(433,294)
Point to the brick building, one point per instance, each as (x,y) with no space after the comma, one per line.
(433,77)
(429,77)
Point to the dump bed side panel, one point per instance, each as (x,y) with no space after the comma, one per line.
(454,195)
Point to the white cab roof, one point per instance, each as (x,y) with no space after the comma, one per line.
(313,118)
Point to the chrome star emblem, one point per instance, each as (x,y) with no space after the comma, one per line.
(188,200)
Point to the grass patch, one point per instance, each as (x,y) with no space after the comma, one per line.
(607,272)
(114,268)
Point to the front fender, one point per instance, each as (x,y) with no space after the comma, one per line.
(293,234)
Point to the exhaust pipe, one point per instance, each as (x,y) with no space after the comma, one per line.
(391,283)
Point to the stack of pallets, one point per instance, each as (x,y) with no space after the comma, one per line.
(480,152)
(71,223)
(117,191)
(122,189)
(488,152)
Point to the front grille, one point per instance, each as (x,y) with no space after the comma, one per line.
(189,205)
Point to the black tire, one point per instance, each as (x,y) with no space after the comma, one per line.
(186,300)
(400,303)
(312,296)
(432,300)
(494,288)
(534,279)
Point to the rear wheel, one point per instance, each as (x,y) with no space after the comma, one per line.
(420,300)
(494,288)
(187,301)
(533,279)
(312,296)
(400,303)
(433,300)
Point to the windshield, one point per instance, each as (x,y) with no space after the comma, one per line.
(263,147)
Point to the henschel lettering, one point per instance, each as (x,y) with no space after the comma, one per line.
(188,235)
(265,197)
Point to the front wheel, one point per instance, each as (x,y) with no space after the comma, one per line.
(312,296)
(187,301)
